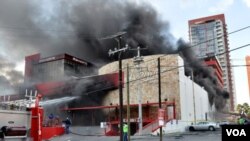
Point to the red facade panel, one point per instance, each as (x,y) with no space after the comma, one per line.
(248,71)
(49,88)
(29,62)
(106,82)
(217,69)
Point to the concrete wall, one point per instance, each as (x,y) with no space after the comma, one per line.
(191,94)
(146,82)
(175,86)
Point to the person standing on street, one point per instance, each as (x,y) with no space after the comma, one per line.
(125,132)
(67,123)
(241,121)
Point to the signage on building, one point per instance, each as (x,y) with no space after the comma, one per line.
(47,59)
(103,125)
(79,61)
(63,56)
(161,117)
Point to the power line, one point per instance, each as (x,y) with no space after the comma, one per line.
(98,38)
(42,33)
(154,59)
(239,30)
(235,31)
(223,35)
(193,46)
(233,49)
(72,35)
(47,33)
(113,87)
(201,66)
(185,66)
(47,30)
(46,36)
(243,46)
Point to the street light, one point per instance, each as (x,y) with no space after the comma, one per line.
(137,61)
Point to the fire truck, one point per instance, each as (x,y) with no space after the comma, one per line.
(15,119)
(23,119)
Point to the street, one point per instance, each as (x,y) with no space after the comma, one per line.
(187,136)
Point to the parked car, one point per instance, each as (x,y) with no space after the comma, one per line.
(220,123)
(204,125)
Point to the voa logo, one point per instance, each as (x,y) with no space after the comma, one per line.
(236,132)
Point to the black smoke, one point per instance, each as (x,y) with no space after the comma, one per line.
(203,75)
(77,27)
(10,79)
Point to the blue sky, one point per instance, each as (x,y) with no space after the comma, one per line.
(237,14)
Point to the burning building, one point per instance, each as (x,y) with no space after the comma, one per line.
(67,81)
(55,68)
(95,98)
(214,63)
(191,100)
(143,28)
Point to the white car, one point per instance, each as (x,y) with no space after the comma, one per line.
(204,125)
(223,123)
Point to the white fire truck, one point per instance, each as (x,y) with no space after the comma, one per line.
(15,118)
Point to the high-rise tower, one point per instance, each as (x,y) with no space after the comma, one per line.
(208,36)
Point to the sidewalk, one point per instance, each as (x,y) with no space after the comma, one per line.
(72,137)
(95,133)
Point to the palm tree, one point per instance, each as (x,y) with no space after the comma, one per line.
(239,108)
(246,107)
(243,109)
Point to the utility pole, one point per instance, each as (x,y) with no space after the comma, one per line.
(159,87)
(119,51)
(137,61)
(128,103)
(193,95)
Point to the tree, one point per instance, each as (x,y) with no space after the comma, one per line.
(244,109)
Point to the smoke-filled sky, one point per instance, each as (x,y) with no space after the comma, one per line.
(59,26)
(53,27)
(180,11)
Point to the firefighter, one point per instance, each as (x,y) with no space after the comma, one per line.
(67,123)
(57,120)
(51,118)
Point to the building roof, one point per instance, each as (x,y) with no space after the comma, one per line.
(65,56)
(207,19)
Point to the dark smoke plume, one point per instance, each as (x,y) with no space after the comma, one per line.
(203,75)
(10,79)
(75,27)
